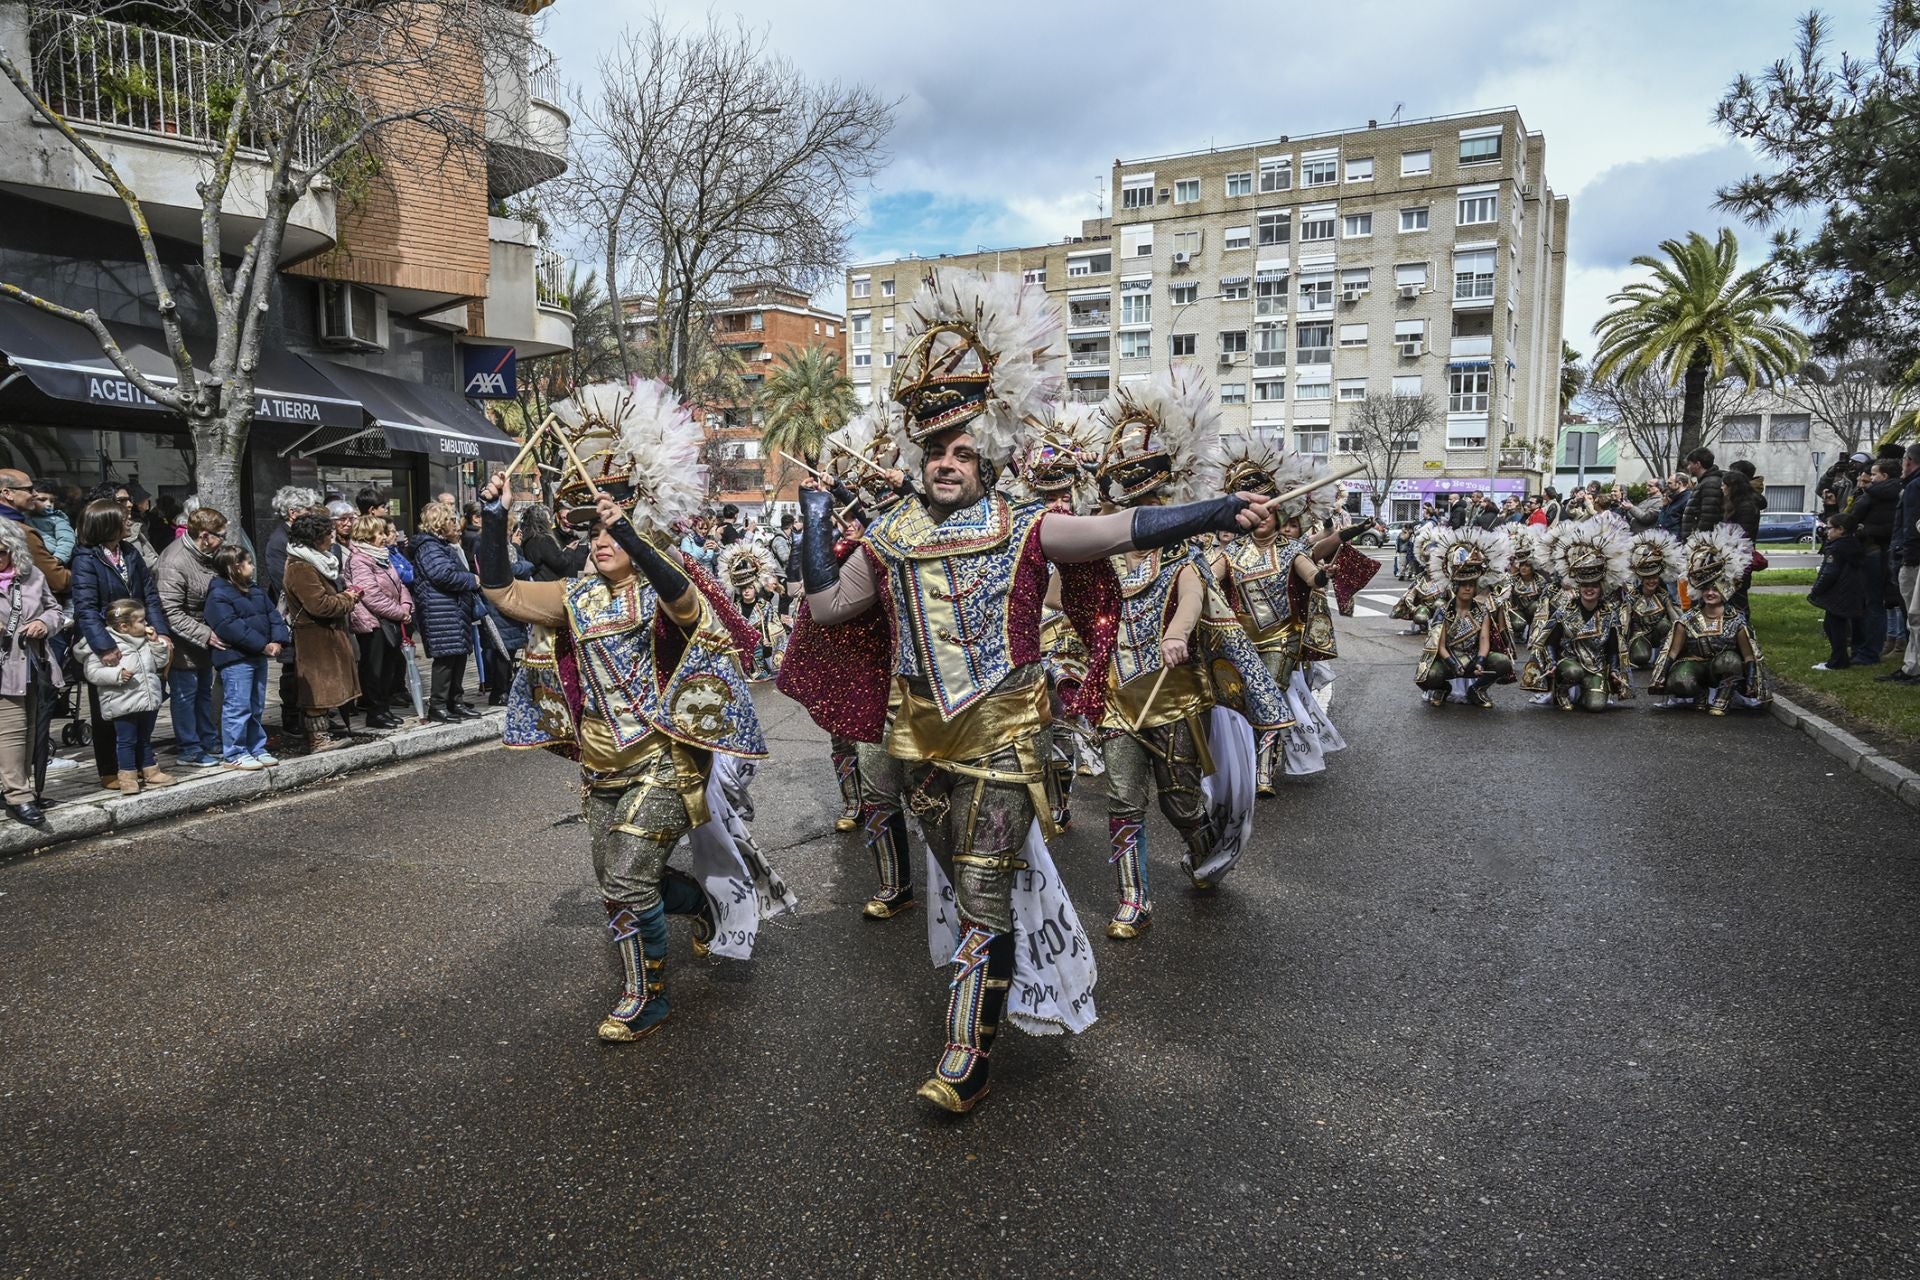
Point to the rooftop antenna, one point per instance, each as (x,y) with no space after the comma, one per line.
(1100,195)
(1398,107)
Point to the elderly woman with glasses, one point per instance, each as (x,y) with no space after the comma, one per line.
(28,616)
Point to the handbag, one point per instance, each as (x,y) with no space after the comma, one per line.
(1759,561)
(16,668)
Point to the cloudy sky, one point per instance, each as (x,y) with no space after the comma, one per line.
(1011,113)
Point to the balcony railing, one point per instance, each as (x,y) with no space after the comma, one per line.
(1088,360)
(93,71)
(543,75)
(1088,319)
(550,280)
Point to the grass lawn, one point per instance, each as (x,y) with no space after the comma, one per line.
(1784,577)
(1790,636)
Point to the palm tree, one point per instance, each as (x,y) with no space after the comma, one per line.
(1699,320)
(808,396)
(1572,376)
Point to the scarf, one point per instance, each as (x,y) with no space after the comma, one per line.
(323,563)
(381,556)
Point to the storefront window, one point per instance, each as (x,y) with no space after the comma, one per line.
(78,458)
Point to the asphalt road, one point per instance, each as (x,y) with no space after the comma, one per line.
(1504,993)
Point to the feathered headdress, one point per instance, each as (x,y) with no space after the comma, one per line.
(1655,553)
(1468,554)
(742,564)
(1163,437)
(1590,551)
(1529,547)
(640,446)
(1056,457)
(1718,557)
(1423,540)
(1311,508)
(869,436)
(1248,464)
(984,352)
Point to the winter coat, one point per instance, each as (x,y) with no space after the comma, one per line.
(245,620)
(51,567)
(1873,507)
(1841,586)
(181,579)
(513,634)
(1906,536)
(37,604)
(446,596)
(551,562)
(325,669)
(273,561)
(1707,508)
(1672,515)
(1745,513)
(97,584)
(147,691)
(382,598)
(56,531)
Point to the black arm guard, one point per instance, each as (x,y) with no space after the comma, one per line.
(494,561)
(667,578)
(1164,526)
(1353,531)
(818,568)
(1320,579)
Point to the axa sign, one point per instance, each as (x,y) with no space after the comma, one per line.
(488,372)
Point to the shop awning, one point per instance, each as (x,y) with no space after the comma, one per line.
(421,418)
(64,361)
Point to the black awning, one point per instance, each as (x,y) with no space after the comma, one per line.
(64,361)
(421,418)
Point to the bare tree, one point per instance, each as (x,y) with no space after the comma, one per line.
(705,161)
(281,101)
(1854,395)
(1384,432)
(1646,410)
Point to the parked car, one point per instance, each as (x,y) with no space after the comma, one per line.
(1787,526)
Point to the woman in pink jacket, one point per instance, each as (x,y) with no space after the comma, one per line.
(380,621)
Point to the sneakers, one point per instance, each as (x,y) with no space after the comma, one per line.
(246,764)
(265,760)
(202,762)
(1897,677)
(1831,666)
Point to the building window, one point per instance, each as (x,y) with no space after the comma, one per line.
(1355,282)
(1484,149)
(1413,219)
(1314,344)
(1473,275)
(1276,226)
(816,328)
(1182,294)
(1183,344)
(1744,429)
(1407,384)
(1790,428)
(1233,393)
(1269,346)
(1233,341)
(1476,210)
(1136,302)
(757,321)
(1187,242)
(1416,164)
(1235,238)
(888,359)
(1786,497)
(1360,170)
(1316,292)
(1136,191)
(862,287)
(1315,390)
(1319,173)
(1034,275)
(886,288)
(861,331)
(831,331)
(1271,390)
(1407,332)
(1410,275)
(1469,390)
(861,359)
(886,324)
(1240,184)
(1355,225)
(1233,288)
(1136,241)
(1092,264)
(1315,224)
(1313,443)
(1352,389)
(1276,175)
(1353,335)
(1270,291)
(1186,190)
(1136,345)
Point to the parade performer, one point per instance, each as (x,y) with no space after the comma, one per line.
(635,670)
(1416,603)
(963,571)
(1527,585)
(1712,659)
(1462,652)
(747,571)
(1654,559)
(1578,654)
(1163,443)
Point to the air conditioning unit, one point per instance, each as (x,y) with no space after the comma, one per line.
(1409,290)
(1226,360)
(1182,259)
(1353,292)
(1166,194)
(350,316)
(1410,348)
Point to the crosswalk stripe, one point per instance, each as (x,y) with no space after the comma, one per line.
(1361,611)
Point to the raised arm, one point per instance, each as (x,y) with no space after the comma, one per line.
(1076,539)
(836,591)
(523,601)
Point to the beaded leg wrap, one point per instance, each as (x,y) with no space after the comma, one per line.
(976,999)
(886,832)
(682,895)
(846,768)
(640,936)
(1129,857)
(1266,762)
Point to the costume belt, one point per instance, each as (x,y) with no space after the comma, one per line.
(1010,718)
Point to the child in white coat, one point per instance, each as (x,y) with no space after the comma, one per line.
(132,691)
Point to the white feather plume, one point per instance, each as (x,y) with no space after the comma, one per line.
(739,555)
(1529,545)
(1186,414)
(1593,537)
(654,440)
(1723,551)
(1070,425)
(1312,508)
(1019,325)
(1494,545)
(1657,551)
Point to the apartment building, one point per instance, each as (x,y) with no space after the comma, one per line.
(381,295)
(1788,446)
(1310,272)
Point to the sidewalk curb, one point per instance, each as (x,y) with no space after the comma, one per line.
(1890,776)
(193,794)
